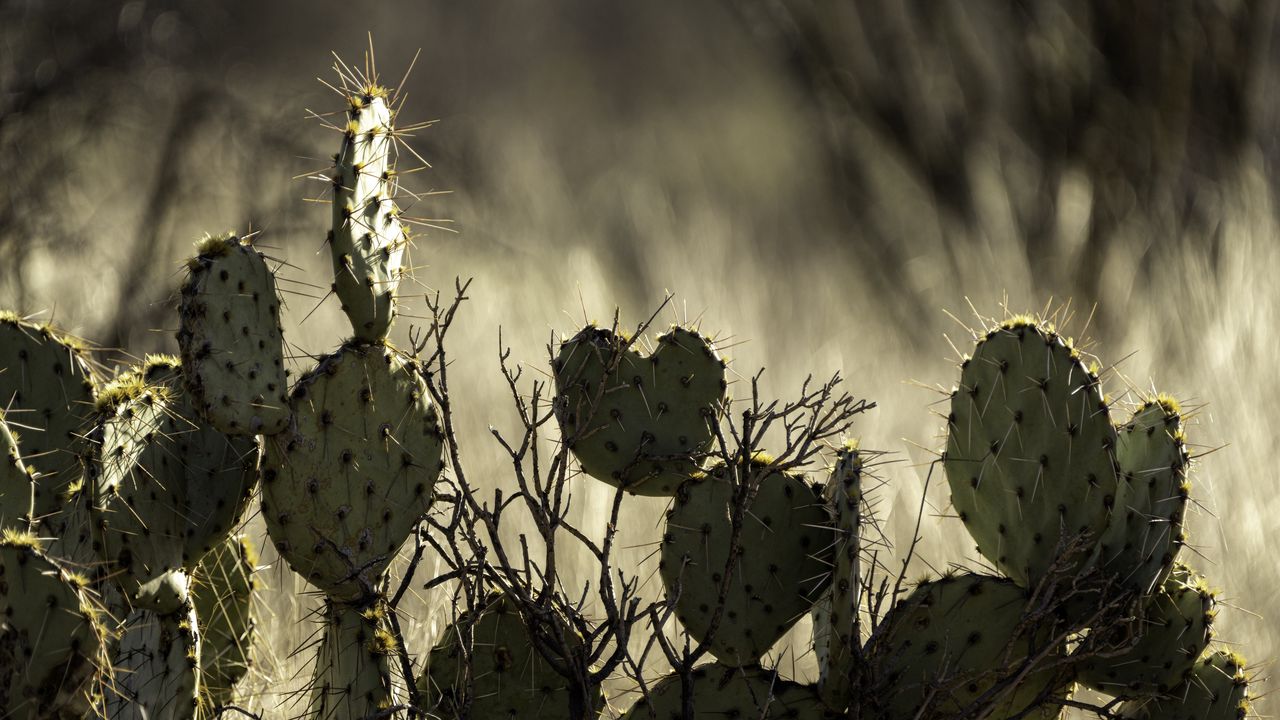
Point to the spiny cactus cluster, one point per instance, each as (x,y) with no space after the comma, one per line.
(125,592)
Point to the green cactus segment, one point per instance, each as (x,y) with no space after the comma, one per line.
(1173,630)
(509,677)
(634,421)
(368,240)
(724,691)
(844,496)
(951,640)
(223,595)
(17,486)
(1218,689)
(170,488)
(783,569)
(47,390)
(1030,449)
(231,341)
(156,667)
(1145,533)
(344,488)
(352,679)
(52,644)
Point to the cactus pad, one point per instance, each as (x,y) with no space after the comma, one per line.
(1030,450)
(222,592)
(53,641)
(346,485)
(844,497)
(367,240)
(635,421)
(352,679)
(1145,533)
(723,691)
(510,679)
(156,667)
(951,640)
(232,350)
(784,566)
(1173,630)
(1218,689)
(46,387)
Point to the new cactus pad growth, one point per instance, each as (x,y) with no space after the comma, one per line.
(170,487)
(1162,647)
(222,592)
(367,240)
(954,639)
(508,676)
(1030,449)
(17,486)
(724,691)
(842,638)
(344,487)
(635,421)
(232,352)
(53,640)
(46,388)
(1144,536)
(783,568)
(1217,689)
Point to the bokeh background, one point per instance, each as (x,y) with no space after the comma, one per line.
(824,186)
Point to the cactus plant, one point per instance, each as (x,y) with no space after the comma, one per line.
(634,421)
(1217,689)
(352,676)
(157,666)
(841,637)
(725,691)
(783,567)
(232,356)
(223,591)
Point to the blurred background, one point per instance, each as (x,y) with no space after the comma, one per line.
(824,186)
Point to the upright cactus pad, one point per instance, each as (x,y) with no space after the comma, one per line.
(352,679)
(1218,689)
(951,640)
(724,691)
(53,640)
(17,486)
(222,592)
(157,666)
(844,496)
(367,240)
(1171,632)
(784,566)
(634,421)
(345,486)
(1030,449)
(1145,533)
(509,677)
(232,347)
(170,488)
(46,387)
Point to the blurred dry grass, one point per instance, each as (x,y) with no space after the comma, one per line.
(819,184)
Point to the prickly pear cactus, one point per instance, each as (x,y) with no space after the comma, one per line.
(46,387)
(510,679)
(368,240)
(844,496)
(724,691)
(231,341)
(17,486)
(156,667)
(1030,449)
(222,591)
(352,679)
(953,639)
(52,644)
(1145,533)
(634,421)
(1173,629)
(344,487)
(1218,689)
(783,569)
(170,488)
